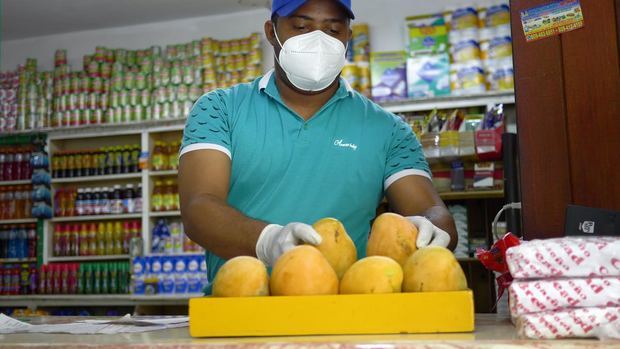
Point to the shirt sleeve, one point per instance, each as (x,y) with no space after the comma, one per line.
(405,155)
(208,125)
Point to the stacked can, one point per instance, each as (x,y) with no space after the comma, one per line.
(81,97)
(9,84)
(226,63)
(176,81)
(34,106)
(131,85)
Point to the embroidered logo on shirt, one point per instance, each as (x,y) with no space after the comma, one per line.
(341,143)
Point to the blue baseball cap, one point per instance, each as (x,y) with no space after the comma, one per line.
(285,8)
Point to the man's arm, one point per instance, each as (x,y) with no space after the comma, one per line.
(204,177)
(416,196)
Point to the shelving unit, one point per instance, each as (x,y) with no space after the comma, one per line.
(89,258)
(67,300)
(163,173)
(104,178)
(18,221)
(18,182)
(97,217)
(450,102)
(165,214)
(17,260)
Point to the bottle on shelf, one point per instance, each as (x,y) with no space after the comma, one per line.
(117,200)
(157,199)
(158,162)
(128,199)
(168,196)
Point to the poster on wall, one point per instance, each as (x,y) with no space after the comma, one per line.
(551,19)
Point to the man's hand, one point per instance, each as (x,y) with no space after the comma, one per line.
(275,239)
(428,233)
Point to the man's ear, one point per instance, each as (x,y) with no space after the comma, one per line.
(270,34)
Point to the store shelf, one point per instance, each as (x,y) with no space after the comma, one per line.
(165,214)
(450,102)
(17,260)
(176,254)
(19,182)
(97,178)
(88,258)
(163,173)
(107,130)
(18,221)
(470,195)
(96,218)
(94,300)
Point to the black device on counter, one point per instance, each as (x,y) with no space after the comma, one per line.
(581,220)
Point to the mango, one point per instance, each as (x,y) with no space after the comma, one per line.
(394,236)
(241,276)
(303,271)
(433,269)
(376,274)
(336,245)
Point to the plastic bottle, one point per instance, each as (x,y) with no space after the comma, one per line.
(167,196)
(71,198)
(101,235)
(78,165)
(56,281)
(18,160)
(8,165)
(80,202)
(70,164)
(158,162)
(22,242)
(138,199)
(74,241)
(41,289)
(204,280)
(104,278)
(88,278)
(126,156)
(32,241)
(109,238)
(88,202)
(92,239)
(135,159)
(80,279)
(126,238)
(118,159)
(113,278)
(96,278)
(173,155)
(84,247)
(117,200)
(26,165)
(2,160)
(27,196)
(9,203)
(4,239)
(87,164)
(128,199)
(12,249)
(64,278)
(157,203)
(118,238)
(104,201)
(96,201)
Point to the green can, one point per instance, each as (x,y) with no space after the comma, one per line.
(76,84)
(166,110)
(118,82)
(175,74)
(82,100)
(134,96)
(93,69)
(120,55)
(87,85)
(123,98)
(148,112)
(160,95)
(66,85)
(97,116)
(100,53)
(176,109)
(115,99)
(108,116)
(188,74)
(130,80)
(118,115)
(182,93)
(146,66)
(165,77)
(139,113)
(145,98)
(93,101)
(106,70)
(131,58)
(194,93)
(85,115)
(141,81)
(97,85)
(104,101)
(156,111)
(128,114)
(170,93)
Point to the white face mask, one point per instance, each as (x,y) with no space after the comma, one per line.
(311,61)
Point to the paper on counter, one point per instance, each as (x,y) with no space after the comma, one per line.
(565,257)
(126,324)
(535,296)
(572,323)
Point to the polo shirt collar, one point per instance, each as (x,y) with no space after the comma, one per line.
(267,84)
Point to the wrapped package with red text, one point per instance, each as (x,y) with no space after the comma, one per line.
(603,323)
(570,257)
(533,296)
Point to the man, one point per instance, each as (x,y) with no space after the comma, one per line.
(261,161)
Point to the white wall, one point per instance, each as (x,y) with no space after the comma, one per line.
(385,19)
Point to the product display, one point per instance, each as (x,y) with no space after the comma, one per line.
(84,278)
(15,163)
(581,322)
(117,199)
(103,161)
(388,76)
(18,241)
(18,279)
(9,85)
(15,202)
(165,196)
(428,76)
(169,238)
(95,239)
(165,156)
(168,274)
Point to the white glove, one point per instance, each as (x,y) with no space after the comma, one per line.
(428,233)
(275,239)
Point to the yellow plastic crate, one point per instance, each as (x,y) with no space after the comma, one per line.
(424,312)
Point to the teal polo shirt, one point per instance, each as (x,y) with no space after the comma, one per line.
(285,169)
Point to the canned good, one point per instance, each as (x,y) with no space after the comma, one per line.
(196,48)
(225,48)
(175,74)
(141,79)
(208,75)
(130,80)
(166,110)
(139,113)
(156,112)
(189,50)
(60,57)
(254,57)
(255,41)
(87,85)
(239,63)
(106,70)
(75,118)
(104,101)
(85,116)
(148,112)
(93,101)
(114,99)
(72,102)
(118,82)
(134,96)
(165,77)
(182,93)
(100,54)
(187,108)
(350,73)
(120,56)
(244,46)
(128,114)
(76,84)
(188,74)
(97,86)
(58,88)
(229,62)
(131,58)
(109,56)
(118,115)
(108,116)
(123,98)
(93,69)
(66,85)
(82,100)
(181,54)
(170,93)
(194,93)
(171,52)
(145,98)
(235,47)
(155,51)
(146,65)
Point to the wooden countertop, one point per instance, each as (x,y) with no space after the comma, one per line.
(491,332)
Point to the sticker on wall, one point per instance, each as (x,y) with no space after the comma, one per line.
(555,18)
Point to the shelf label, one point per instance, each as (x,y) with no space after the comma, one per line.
(552,19)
